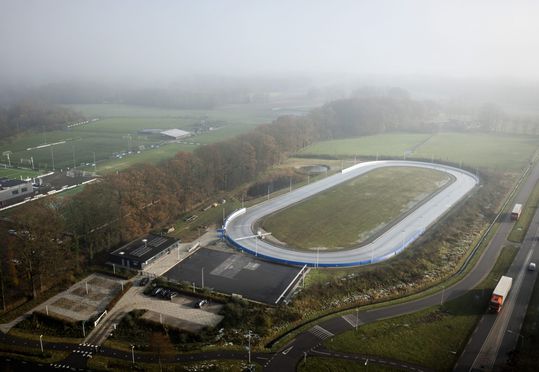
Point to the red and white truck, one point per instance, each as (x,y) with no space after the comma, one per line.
(517,210)
(500,294)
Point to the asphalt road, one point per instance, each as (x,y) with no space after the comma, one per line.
(496,335)
(383,247)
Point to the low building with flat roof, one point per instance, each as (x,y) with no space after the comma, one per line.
(175,133)
(13,191)
(141,252)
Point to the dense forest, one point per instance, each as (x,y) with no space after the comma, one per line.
(34,116)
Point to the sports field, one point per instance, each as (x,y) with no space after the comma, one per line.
(502,152)
(115,140)
(351,213)
(17,173)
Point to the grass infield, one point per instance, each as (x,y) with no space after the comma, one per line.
(346,215)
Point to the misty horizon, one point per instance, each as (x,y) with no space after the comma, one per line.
(162,41)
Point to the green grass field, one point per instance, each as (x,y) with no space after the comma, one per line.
(327,364)
(391,144)
(502,152)
(117,131)
(357,209)
(17,173)
(433,337)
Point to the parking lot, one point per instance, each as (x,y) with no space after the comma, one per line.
(233,272)
(83,300)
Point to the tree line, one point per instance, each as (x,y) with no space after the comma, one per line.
(130,203)
(34,116)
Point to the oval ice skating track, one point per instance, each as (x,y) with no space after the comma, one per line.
(240,224)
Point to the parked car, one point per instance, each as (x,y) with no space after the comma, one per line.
(201,304)
(172,295)
(531,266)
(156,291)
(143,281)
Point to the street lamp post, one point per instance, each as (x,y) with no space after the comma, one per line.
(442,299)
(133,353)
(357,317)
(41,343)
(249,348)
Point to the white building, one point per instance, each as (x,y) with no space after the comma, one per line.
(13,191)
(175,133)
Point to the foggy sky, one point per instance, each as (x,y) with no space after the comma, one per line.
(48,39)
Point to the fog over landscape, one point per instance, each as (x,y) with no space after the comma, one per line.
(279,185)
(62,39)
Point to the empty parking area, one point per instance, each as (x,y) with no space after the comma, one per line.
(231,272)
(83,300)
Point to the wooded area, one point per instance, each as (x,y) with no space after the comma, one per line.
(31,115)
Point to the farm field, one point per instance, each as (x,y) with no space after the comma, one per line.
(116,131)
(502,152)
(358,209)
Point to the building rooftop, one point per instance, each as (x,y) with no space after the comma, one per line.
(175,133)
(142,250)
(8,182)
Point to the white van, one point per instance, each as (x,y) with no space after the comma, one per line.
(531,266)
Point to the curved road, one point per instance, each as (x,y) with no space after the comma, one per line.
(239,227)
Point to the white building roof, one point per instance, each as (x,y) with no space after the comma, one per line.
(176,133)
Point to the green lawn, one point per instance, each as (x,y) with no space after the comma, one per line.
(391,144)
(432,337)
(357,209)
(17,173)
(328,364)
(502,152)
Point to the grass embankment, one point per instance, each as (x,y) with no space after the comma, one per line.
(100,363)
(525,359)
(521,226)
(323,364)
(433,337)
(32,355)
(352,212)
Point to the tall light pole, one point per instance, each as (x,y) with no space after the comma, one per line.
(357,317)
(442,299)
(41,343)
(249,348)
(83,329)
(133,353)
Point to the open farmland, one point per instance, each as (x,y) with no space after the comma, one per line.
(503,152)
(346,215)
